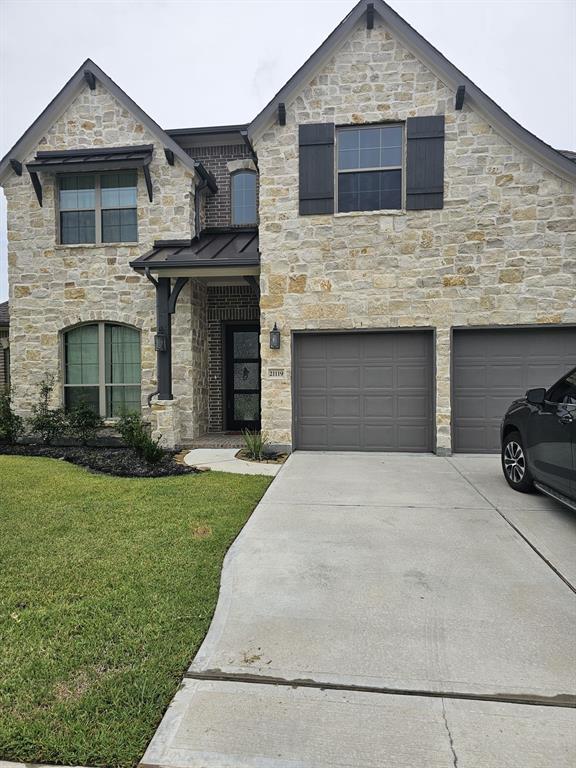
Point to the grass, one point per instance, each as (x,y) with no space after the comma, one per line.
(107,588)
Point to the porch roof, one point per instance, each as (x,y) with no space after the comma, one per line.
(100,158)
(214,248)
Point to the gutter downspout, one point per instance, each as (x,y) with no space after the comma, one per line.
(200,188)
(248,143)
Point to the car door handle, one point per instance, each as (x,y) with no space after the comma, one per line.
(566,418)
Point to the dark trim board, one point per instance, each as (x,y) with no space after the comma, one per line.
(296,333)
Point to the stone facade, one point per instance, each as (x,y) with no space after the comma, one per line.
(53,286)
(502,251)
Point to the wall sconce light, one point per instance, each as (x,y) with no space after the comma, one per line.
(275,338)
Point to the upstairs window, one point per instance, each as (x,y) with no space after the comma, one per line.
(370,168)
(98,208)
(244,197)
(102,368)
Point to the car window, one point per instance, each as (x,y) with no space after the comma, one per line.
(564,391)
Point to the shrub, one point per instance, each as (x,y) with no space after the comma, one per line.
(83,422)
(11,425)
(134,433)
(49,423)
(255,443)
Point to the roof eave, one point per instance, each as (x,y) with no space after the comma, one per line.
(500,120)
(216,263)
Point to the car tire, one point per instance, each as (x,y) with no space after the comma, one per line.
(514,464)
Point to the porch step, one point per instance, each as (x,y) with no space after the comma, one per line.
(218,440)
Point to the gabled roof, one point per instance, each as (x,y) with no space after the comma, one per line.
(4,314)
(61,101)
(500,120)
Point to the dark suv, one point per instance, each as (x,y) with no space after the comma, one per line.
(539,441)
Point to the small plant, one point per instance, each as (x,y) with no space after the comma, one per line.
(11,425)
(255,443)
(83,422)
(49,423)
(134,433)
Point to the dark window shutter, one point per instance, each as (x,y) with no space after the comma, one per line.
(425,163)
(316,168)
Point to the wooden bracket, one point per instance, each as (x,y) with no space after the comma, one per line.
(148,180)
(370,16)
(174,293)
(90,78)
(460,94)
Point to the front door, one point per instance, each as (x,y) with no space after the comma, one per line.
(242,348)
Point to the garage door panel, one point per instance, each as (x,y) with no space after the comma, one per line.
(381,406)
(378,376)
(313,378)
(314,406)
(471,375)
(380,437)
(342,347)
(315,435)
(378,391)
(344,377)
(413,437)
(413,375)
(494,366)
(412,406)
(345,437)
(344,405)
(411,345)
(314,350)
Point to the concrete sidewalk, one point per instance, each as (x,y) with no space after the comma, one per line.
(383,610)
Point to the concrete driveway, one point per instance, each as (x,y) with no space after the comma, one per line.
(387,610)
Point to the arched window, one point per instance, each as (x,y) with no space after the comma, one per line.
(244,197)
(102,368)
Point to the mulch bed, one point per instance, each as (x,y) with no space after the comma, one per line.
(270,458)
(111,461)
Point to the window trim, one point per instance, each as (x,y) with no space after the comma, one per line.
(402,168)
(102,385)
(97,209)
(234,175)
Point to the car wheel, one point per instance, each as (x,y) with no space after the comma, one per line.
(514,464)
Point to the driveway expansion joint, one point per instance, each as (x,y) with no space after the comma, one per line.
(518,531)
(563,700)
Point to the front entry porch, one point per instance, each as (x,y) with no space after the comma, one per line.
(207,338)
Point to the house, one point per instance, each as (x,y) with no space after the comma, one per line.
(381,260)
(4,349)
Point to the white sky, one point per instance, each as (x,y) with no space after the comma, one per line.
(209,62)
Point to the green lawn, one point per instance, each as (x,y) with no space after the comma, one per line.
(107,588)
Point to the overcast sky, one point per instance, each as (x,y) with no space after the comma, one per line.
(208,62)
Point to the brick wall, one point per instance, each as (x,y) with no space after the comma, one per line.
(215,160)
(225,303)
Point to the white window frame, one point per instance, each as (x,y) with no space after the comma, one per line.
(102,384)
(402,168)
(97,209)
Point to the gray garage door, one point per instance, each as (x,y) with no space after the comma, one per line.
(364,391)
(493,367)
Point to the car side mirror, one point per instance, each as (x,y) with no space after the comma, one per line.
(536,396)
